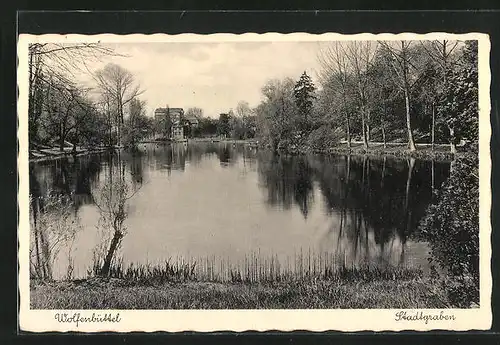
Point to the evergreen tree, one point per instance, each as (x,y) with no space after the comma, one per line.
(223,126)
(304,92)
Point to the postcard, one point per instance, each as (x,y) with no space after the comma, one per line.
(258,182)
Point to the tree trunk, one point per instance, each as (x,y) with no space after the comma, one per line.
(35,100)
(30,85)
(411,142)
(61,139)
(348,126)
(383,135)
(348,132)
(433,125)
(120,121)
(119,133)
(432,176)
(117,221)
(31,97)
(363,125)
(384,116)
(44,246)
(110,125)
(36,211)
(453,148)
(110,132)
(39,99)
(37,255)
(368,125)
(111,252)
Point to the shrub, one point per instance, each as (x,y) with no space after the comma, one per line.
(451,226)
(324,137)
(53,226)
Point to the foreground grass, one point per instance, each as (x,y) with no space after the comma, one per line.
(106,293)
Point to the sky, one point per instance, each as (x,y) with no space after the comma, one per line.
(211,76)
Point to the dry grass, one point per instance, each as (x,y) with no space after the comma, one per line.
(109,293)
(259,283)
(255,268)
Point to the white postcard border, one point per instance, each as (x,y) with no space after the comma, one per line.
(257,320)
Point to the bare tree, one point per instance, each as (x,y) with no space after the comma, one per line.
(243,109)
(381,94)
(334,65)
(54,225)
(360,55)
(246,115)
(52,67)
(120,87)
(278,110)
(105,104)
(195,112)
(66,110)
(407,71)
(112,201)
(442,53)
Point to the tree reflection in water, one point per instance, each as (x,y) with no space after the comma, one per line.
(72,177)
(224,154)
(366,209)
(375,204)
(288,181)
(57,190)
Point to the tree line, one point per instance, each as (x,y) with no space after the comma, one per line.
(369,91)
(62,109)
(239,124)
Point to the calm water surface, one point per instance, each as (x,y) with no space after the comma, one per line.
(225,201)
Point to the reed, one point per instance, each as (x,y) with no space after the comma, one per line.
(167,271)
(257,268)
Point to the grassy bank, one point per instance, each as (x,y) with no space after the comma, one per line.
(260,284)
(423,151)
(183,287)
(112,293)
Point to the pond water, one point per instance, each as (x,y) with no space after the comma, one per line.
(232,204)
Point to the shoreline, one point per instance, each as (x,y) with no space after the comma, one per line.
(440,152)
(394,150)
(65,154)
(225,141)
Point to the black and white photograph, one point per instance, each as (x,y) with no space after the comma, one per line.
(256,181)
